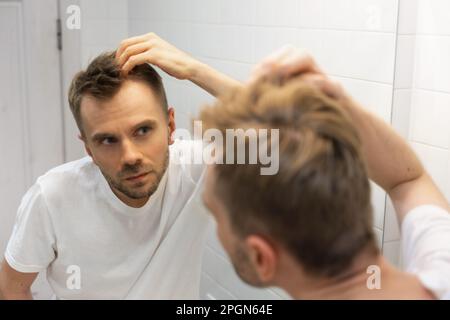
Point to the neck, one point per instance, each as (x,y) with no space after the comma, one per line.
(360,283)
(135,203)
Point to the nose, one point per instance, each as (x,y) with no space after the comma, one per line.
(130,153)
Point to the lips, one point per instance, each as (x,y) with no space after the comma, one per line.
(137,177)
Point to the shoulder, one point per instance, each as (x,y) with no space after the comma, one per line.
(424,216)
(426,247)
(66,177)
(425,232)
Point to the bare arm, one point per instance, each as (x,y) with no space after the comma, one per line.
(391,162)
(15,285)
(150,48)
(213,81)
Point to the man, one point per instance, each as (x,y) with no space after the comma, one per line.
(308,229)
(113,225)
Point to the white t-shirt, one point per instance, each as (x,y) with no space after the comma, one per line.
(70,223)
(426,248)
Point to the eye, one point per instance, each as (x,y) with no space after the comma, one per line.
(108,141)
(143,131)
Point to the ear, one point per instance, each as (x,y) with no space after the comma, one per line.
(171,124)
(263,256)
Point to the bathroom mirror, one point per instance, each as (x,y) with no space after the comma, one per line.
(368,45)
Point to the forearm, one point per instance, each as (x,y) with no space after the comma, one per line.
(17,293)
(211,80)
(16,296)
(15,285)
(390,160)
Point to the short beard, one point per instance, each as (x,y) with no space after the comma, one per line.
(243,267)
(135,194)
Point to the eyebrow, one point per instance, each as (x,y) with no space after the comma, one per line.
(102,135)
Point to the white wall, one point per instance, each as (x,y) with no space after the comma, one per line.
(354,40)
(105,24)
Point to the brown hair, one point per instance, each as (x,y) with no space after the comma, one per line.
(318,204)
(102,79)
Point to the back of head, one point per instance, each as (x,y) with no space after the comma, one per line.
(318,204)
(103,78)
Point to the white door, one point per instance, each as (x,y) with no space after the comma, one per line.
(31,126)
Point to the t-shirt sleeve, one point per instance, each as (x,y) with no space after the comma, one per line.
(426,247)
(31,247)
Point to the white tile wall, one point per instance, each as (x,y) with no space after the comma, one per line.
(432,62)
(404,64)
(205,11)
(360,55)
(237,12)
(379,237)
(407,17)
(213,290)
(401,110)
(391,251)
(268,39)
(437,162)
(276,14)
(432,17)
(431,118)
(378,203)
(375,15)
(391,227)
(376,97)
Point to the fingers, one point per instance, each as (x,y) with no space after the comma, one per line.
(133,50)
(298,63)
(279,55)
(145,57)
(269,64)
(135,45)
(328,86)
(129,42)
(285,62)
(152,49)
